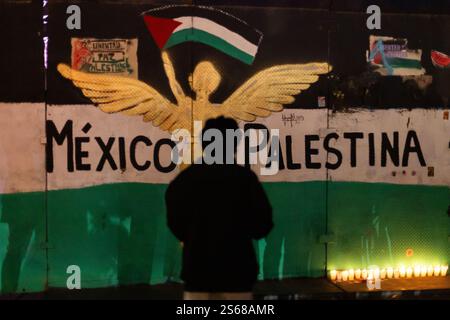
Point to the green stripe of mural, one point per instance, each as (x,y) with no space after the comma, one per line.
(123,225)
(376,223)
(211,40)
(22,238)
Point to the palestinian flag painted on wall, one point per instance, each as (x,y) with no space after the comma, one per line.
(172,25)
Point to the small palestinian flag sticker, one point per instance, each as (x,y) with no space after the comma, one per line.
(440,60)
(172,25)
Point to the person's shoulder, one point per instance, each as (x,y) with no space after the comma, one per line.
(192,170)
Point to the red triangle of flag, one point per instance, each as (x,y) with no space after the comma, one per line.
(160,28)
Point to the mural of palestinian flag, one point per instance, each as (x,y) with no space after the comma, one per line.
(172,25)
(440,60)
(391,56)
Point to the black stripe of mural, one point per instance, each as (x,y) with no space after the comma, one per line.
(388,6)
(21,57)
(290,36)
(356,86)
(102,21)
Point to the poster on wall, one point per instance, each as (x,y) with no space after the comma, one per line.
(105,56)
(391,56)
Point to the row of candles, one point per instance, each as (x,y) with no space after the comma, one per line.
(388,273)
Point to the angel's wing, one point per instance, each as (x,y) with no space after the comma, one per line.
(129,96)
(270,89)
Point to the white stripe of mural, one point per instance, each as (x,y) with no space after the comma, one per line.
(429,128)
(22,153)
(391,146)
(122,133)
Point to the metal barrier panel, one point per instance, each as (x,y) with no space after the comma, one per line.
(23,265)
(388,206)
(362,115)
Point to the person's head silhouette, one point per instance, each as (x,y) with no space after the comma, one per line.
(221,125)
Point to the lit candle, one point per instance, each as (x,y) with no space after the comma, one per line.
(383,274)
(444,270)
(351,275)
(409,272)
(345,275)
(358,274)
(423,271)
(402,271)
(376,273)
(437,271)
(430,271)
(396,273)
(417,271)
(390,272)
(333,275)
(364,274)
(370,274)
(338,276)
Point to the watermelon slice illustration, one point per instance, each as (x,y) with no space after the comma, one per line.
(440,60)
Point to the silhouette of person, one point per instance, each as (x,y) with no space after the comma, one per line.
(216,211)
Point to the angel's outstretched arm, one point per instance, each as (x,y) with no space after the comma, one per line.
(170,72)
